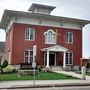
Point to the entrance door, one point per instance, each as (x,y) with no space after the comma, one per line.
(88,65)
(52,59)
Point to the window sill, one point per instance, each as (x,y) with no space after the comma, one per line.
(69,42)
(51,43)
(29,40)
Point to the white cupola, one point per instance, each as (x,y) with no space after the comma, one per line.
(41,9)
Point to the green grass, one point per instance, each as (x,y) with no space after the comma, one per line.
(88,73)
(41,76)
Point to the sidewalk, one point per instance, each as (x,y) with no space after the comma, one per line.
(72,74)
(43,83)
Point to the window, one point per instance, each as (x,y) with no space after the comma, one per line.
(28,56)
(50,37)
(69,37)
(30,34)
(69,58)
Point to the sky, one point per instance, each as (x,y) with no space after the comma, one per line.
(68,8)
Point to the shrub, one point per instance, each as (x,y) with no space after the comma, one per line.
(40,67)
(10,69)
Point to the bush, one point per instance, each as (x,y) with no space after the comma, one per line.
(40,67)
(3,64)
(10,69)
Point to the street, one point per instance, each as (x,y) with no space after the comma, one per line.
(55,88)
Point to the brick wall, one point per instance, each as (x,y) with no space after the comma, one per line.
(18,43)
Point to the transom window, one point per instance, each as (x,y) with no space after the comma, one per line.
(30,34)
(28,55)
(50,37)
(69,37)
(69,58)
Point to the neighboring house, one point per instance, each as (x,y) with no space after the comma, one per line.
(53,40)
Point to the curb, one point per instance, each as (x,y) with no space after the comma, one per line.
(45,86)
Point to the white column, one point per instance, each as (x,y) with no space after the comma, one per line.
(64,60)
(47,65)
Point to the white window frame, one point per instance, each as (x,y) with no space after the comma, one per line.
(69,58)
(50,39)
(67,39)
(29,61)
(27,37)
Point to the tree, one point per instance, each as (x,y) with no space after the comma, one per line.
(4,63)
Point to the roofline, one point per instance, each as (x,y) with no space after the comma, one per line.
(8,14)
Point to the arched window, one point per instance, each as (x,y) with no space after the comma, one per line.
(50,37)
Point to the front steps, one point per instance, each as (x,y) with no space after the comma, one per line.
(56,68)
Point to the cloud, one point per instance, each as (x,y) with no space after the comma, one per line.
(2,35)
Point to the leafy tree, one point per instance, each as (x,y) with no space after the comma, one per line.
(4,63)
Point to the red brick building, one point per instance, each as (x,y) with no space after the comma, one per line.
(0,58)
(51,40)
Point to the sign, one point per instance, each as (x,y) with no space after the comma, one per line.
(33,64)
(34,50)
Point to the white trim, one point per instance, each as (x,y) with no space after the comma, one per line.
(50,39)
(47,63)
(53,23)
(64,59)
(50,30)
(54,20)
(55,48)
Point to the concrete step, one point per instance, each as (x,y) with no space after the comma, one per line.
(56,68)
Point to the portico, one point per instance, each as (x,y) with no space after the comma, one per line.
(55,48)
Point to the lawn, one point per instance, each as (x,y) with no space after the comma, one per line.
(88,73)
(41,76)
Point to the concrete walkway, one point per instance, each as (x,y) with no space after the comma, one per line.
(72,74)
